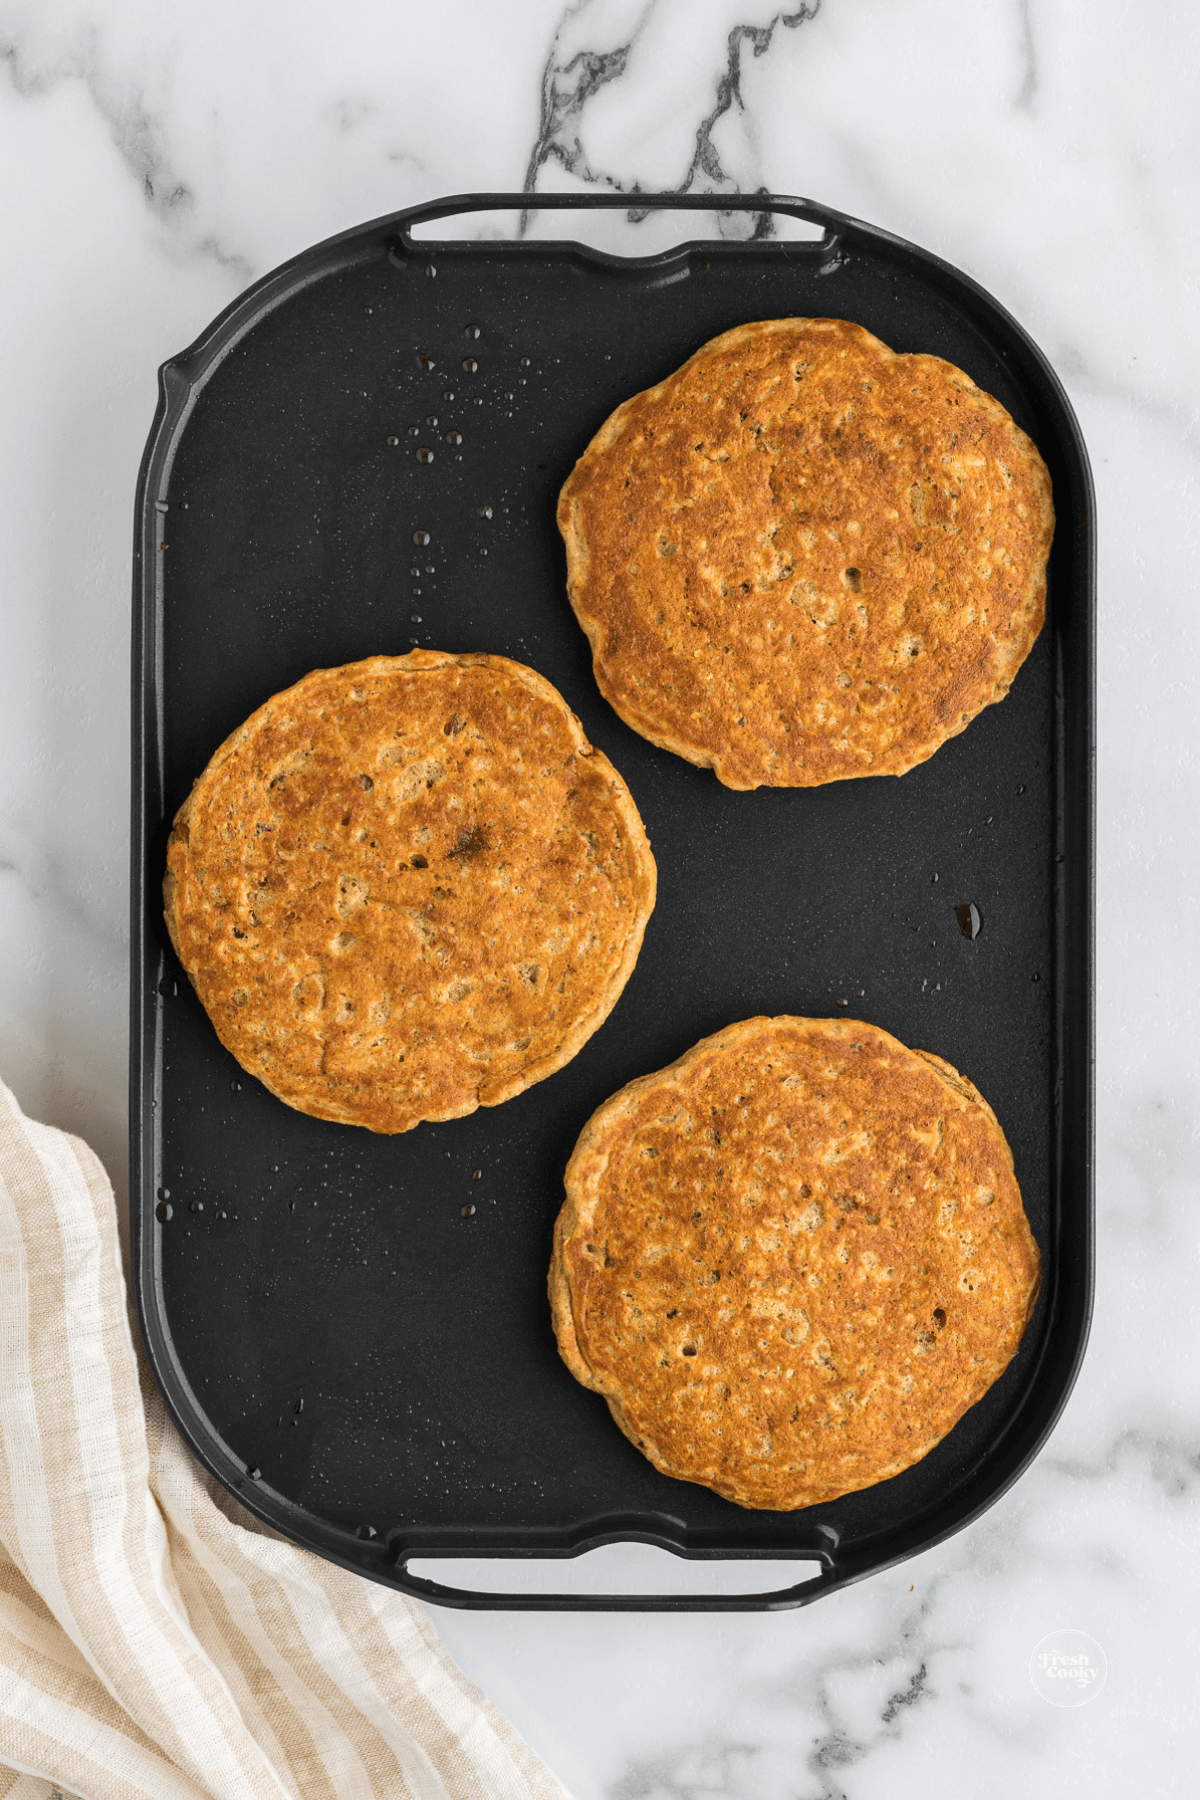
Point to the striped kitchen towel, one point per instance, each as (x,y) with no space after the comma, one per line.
(157,1642)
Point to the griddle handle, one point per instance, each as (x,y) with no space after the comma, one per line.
(777,1600)
(834,224)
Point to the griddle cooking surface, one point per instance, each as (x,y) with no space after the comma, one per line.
(331,1317)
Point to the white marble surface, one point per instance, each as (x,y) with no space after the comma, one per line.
(157,156)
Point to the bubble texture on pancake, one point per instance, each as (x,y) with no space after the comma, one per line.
(408,887)
(791,1261)
(803,558)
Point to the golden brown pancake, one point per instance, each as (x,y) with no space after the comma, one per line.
(803,558)
(408,887)
(791,1261)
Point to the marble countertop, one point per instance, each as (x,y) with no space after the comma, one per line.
(156,159)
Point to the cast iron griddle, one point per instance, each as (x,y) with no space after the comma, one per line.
(367,1367)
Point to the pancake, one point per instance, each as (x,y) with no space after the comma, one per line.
(791,1261)
(408,887)
(803,558)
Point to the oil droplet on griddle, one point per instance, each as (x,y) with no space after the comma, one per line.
(470,365)
(163,1211)
(970,919)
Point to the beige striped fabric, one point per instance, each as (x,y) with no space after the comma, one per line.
(156,1642)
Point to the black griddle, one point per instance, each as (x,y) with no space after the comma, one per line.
(366,1367)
